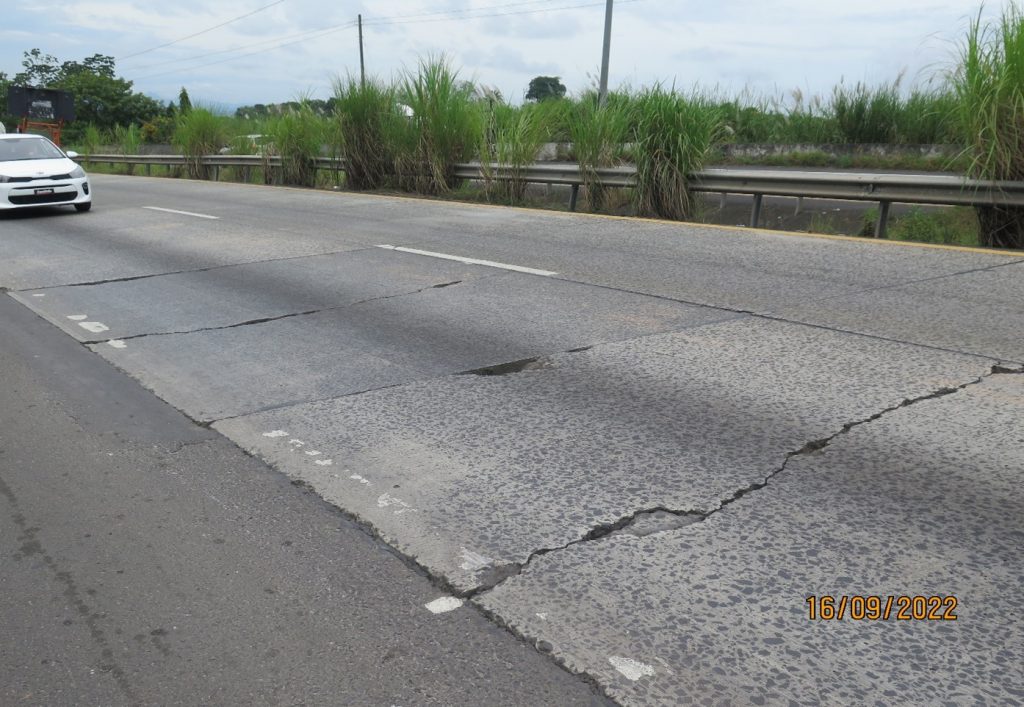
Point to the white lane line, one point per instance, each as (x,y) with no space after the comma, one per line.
(118,344)
(470,261)
(78,317)
(275,433)
(444,605)
(94,327)
(323,462)
(183,213)
(632,669)
(39,295)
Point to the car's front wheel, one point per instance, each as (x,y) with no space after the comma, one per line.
(84,207)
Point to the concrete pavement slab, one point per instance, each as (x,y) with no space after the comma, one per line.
(501,318)
(979,312)
(737,268)
(46,248)
(925,500)
(234,294)
(474,475)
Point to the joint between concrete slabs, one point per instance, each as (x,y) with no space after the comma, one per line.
(265,320)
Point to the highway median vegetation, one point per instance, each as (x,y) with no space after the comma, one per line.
(410,133)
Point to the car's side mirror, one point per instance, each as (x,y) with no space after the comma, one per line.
(71,154)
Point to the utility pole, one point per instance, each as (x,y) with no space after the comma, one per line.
(362,63)
(603,94)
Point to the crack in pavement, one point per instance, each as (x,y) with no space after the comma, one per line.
(783,320)
(661,518)
(264,320)
(132,278)
(919,281)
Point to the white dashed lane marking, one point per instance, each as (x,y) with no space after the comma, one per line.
(183,213)
(470,261)
(94,327)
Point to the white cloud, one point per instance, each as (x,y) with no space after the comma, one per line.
(771,47)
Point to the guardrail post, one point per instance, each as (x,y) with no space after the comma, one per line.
(575,195)
(722,200)
(149,169)
(755,210)
(883,219)
(216,172)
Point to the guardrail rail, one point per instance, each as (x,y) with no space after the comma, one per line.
(884,189)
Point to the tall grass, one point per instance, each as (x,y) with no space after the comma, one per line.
(673,137)
(92,139)
(989,87)
(199,132)
(599,135)
(297,137)
(367,116)
(514,137)
(443,130)
(128,140)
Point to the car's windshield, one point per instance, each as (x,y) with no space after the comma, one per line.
(28,149)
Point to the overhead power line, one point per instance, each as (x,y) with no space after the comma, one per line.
(202,32)
(436,16)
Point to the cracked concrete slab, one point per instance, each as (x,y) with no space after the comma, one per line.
(222,373)
(980,312)
(234,294)
(474,475)
(925,500)
(129,241)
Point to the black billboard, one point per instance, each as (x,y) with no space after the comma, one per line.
(42,104)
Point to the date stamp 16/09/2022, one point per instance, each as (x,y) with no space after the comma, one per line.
(857,607)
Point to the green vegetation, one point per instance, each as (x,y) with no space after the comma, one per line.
(199,132)
(673,136)
(599,136)
(442,131)
(409,134)
(989,86)
(297,137)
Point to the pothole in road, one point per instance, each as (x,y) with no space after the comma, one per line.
(504,369)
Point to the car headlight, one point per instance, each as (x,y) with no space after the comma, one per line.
(77,173)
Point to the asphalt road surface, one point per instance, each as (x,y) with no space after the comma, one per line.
(641,447)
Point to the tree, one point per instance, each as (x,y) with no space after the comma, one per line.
(544,87)
(101,98)
(184,102)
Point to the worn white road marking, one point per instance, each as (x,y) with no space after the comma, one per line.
(473,561)
(470,261)
(39,294)
(118,344)
(323,462)
(183,213)
(296,443)
(275,433)
(94,327)
(360,479)
(632,669)
(542,617)
(312,453)
(444,605)
(78,317)
(386,500)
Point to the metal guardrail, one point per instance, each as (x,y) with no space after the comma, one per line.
(884,189)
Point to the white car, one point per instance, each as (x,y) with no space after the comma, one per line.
(35,172)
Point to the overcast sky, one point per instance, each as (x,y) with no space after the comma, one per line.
(767,47)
